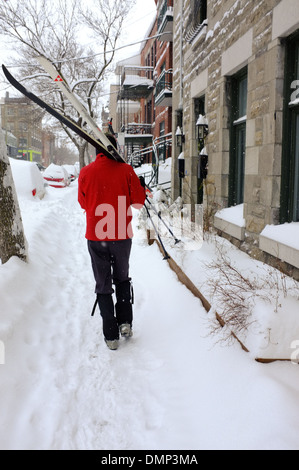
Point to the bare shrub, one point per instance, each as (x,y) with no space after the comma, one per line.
(234,296)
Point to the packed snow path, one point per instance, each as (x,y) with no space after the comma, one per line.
(169,387)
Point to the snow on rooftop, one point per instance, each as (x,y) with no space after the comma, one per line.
(135,80)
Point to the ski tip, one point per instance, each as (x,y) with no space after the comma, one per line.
(6,73)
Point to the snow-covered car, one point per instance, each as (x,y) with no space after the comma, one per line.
(40,167)
(73,175)
(28,179)
(56,176)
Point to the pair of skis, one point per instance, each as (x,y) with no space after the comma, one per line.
(99,140)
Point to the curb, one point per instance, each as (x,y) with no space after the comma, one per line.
(186,281)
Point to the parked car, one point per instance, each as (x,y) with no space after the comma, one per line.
(56,176)
(71,171)
(40,167)
(28,180)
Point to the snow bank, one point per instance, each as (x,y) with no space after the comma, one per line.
(272,307)
(172,386)
(165,171)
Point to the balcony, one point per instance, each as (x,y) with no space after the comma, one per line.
(138,134)
(164,90)
(165,22)
(136,83)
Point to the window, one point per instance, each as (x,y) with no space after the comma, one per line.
(10,111)
(290,147)
(199,8)
(148,112)
(10,126)
(149,73)
(197,19)
(23,143)
(238,138)
(162,143)
(154,55)
(23,126)
(24,110)
(199,108)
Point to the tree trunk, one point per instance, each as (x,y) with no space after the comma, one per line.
(82,156)
(12,238)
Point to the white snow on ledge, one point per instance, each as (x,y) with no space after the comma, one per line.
(287,234)
(231,221)
(282,241)
(233,215)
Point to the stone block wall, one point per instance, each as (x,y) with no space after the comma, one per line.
(239,33)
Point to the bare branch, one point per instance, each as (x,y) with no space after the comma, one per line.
(54,29)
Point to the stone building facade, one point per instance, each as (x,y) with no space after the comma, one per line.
(237,63)
(24,121)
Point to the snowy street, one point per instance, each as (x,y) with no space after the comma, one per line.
(169,387)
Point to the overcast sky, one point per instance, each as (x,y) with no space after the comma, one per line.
(134,30)
(136,26)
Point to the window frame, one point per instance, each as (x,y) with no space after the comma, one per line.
(237,139)
(199,108)
(289,207)
(199,9)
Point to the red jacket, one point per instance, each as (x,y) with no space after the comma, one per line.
(107,190)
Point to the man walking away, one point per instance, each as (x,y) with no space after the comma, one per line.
(107,190)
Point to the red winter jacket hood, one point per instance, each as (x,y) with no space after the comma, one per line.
(107,190)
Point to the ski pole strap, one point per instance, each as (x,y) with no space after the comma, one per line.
(132,293)
(94,308)
(160,217)
(166,255)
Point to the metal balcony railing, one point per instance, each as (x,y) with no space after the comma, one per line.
(136,82)
(164,89)
(136,128)
(164,82)
(165,10)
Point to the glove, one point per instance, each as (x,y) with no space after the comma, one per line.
(142,181)
(149,193)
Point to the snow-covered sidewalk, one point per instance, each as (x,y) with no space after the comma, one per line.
(169,387)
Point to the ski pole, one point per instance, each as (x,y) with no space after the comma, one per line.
(166,255)
(160,217)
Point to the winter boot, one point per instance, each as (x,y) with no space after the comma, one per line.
(123,307)
(110,325)
(126,330)
(113,345)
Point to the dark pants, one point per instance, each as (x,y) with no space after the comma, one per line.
(110,263)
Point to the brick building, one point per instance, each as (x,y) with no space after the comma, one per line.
(236,62)
(158,54)
(145,129)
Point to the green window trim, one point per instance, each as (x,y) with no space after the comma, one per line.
(289,203)
(239,88)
